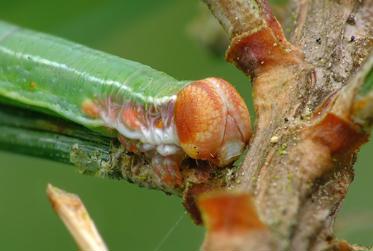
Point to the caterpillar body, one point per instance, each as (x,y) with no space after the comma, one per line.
(152,113)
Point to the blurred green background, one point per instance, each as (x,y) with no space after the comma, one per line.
(129,218)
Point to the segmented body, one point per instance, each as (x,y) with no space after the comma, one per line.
(98,91)
(59,75)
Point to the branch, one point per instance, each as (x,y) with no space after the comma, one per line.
(300,160)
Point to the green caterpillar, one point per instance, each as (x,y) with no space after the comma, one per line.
(154,114)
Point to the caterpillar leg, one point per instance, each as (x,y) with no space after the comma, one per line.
(168,169)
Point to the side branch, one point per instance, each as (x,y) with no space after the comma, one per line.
(32,133)
(52,138)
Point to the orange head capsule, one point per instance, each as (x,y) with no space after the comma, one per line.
(212,121)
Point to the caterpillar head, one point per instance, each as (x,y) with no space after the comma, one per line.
(212,121)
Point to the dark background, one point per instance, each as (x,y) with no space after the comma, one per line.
(130,218)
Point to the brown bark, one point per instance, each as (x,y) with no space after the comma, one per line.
(307,134)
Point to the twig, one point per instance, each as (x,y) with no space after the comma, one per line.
(73,213)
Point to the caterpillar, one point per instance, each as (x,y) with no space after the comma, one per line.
(150,112)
